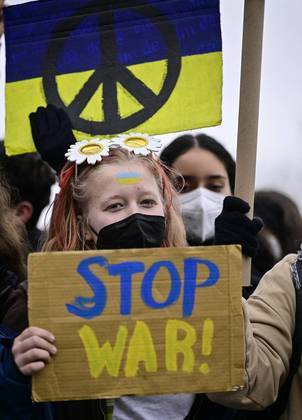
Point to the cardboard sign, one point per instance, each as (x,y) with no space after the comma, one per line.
(137,322)
(153,67)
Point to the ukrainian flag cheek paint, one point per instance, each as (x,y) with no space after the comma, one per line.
(128,178)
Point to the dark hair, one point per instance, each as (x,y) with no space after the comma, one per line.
(281,216)
(30,179)
(184,143)
(12,245)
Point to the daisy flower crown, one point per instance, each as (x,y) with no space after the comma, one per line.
(95,149)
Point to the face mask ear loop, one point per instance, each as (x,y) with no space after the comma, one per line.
(93,230)
(80,231)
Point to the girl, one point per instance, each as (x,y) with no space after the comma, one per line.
(114,194)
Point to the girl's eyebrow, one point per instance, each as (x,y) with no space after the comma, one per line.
(120,197)
(216,177)
(112,197)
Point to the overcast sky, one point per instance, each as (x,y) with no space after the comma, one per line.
(280,124)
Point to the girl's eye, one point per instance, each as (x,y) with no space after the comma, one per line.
(148,202)
(114,207)
(215,188)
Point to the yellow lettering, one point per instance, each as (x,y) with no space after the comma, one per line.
(141,349)
(207,337)
(206,344)
(175,346)
(104,356)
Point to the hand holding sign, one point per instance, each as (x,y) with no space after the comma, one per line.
(232,226)
(32,349)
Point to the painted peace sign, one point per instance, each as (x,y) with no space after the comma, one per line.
(109,72)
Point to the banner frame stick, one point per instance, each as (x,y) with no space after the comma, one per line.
(249,109)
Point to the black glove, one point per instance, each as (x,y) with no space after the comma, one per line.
(232,226)
(52,134)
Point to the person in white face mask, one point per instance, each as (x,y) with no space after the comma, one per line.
(208,170)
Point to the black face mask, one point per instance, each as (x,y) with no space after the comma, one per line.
(136,231)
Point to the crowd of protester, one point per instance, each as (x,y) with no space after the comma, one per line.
(198,174)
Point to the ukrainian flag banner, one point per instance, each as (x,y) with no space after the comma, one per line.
(151,66)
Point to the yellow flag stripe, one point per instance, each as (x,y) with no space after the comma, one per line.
(194,103)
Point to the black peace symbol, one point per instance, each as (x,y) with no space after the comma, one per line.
(109,72)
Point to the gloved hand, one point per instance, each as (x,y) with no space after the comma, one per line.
(232,226)
(52,134)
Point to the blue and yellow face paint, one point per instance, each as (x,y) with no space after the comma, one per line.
(166,58)
(128,178)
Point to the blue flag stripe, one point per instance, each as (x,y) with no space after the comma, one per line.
(72,32)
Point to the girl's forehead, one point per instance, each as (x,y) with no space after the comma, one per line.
(121,177)
(199,163)
(115,170)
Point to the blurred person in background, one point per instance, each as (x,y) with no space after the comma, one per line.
(208,171)
(30,180)
(15,401)
(12,263)
(282,231)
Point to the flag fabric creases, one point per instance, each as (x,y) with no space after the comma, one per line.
(114,66)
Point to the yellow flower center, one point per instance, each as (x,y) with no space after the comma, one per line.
(91,149)
(136,142)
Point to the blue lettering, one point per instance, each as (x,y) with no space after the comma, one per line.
(147,285)
(125,270)
(82,305)
(91,307)
(190,281)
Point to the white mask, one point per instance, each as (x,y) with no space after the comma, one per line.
(199,209)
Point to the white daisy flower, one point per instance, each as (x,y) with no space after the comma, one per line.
(91,150)
(140,144)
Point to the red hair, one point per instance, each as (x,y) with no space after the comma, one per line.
(67,223)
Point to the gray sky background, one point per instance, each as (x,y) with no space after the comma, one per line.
(280,123)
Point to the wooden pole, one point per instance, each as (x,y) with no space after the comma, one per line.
(249,109)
